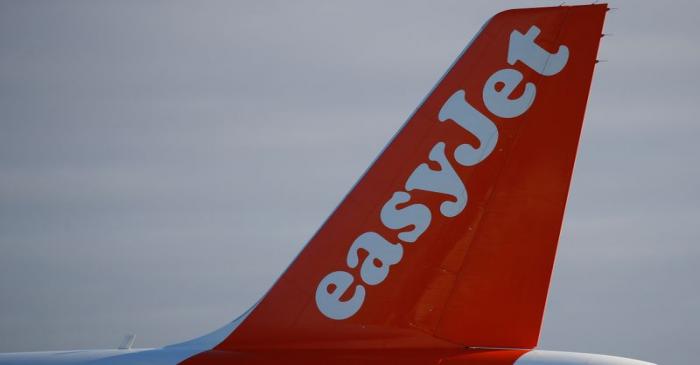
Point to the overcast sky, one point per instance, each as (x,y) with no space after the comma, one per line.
(162,162)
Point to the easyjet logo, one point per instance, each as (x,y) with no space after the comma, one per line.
(382,254)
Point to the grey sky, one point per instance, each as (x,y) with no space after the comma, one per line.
(162,162)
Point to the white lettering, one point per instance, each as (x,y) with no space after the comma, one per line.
(445,181)
(329,291)
(416,215)
(500,86)
(457,109)
(380,255)
(522,47)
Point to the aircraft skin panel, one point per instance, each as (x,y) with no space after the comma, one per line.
(540,357)
(442,252)
(448,240)
(165,356)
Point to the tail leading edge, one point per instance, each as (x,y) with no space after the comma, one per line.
(449,238)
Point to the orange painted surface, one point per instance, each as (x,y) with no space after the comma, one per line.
(477,279)
(361,357)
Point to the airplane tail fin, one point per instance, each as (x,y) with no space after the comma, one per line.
(449,238)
